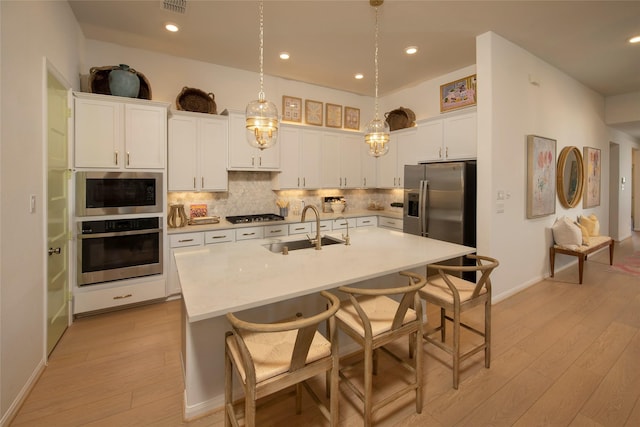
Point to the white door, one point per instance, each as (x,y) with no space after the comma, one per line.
(58,294)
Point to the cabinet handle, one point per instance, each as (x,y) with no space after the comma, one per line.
(345,181)
(248,234)
(275,231)
(340,181)
(185,240)
(253,161)
(260,161)
(298,181)
(116,156)
(128,157)
(365,181)
(220,237)
(440,152)
(304,181)
(446,152)
(366,222)
(202,181)
(299,228)
(194,182)
(399,182)
(123,296)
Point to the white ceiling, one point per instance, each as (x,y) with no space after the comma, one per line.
(329,41)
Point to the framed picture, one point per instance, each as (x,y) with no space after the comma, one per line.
(541,176)
(291,109)
(458,94)
(593,165)
(334,115)
(313,112)
(352,118)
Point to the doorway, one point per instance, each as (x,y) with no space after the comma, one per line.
(58,293)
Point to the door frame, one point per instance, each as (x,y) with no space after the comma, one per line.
(49,67)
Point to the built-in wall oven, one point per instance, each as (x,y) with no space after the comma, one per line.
(117,193)
(116,249)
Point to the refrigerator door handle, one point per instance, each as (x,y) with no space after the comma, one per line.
(423,202)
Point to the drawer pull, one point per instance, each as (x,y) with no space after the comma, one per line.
(299,228)
(366,222)
(275,231)
(123,296)
(248,234)
(185,240)
(218,237)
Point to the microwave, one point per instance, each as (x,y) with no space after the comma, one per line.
(116,193)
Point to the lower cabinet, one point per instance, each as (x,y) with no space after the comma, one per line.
(100,299)
(388,222)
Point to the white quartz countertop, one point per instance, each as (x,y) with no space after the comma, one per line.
(230,277)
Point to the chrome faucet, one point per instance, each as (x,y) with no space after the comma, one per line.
(318,241)
(347,239)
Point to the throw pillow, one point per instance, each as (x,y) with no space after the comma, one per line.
(566,233)
(585,234)
(591,223)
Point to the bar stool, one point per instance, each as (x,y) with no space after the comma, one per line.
(271,357)
(456,295)
(373,320)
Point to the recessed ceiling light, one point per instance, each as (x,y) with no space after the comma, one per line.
(635,39)
(284,55)
(411,50)
(359,76)
(171,27)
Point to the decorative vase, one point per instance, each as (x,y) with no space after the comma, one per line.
(123,81)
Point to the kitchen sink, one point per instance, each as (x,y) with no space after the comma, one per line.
(294,245)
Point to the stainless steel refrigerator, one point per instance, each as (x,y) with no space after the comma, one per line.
(440,202)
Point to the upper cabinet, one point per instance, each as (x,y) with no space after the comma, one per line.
(300,157)
(197,152)
(119,133)
(243,156)
(450,138)
(341,160)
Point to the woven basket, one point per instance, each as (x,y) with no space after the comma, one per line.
(196,100)
(400,118)
(99,81)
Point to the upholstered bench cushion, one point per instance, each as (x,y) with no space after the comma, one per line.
(437,287)
(271,352)
(594,241)
(379,309)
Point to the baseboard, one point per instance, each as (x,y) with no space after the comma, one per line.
(11,413)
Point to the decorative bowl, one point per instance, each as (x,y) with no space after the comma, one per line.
(337,207)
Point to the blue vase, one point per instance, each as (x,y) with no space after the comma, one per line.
(123,81)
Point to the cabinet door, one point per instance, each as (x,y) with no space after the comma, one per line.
(182,153)
(145,136)
(212,154)
(310,158)
(369,166)
(350,167)
(331,161)
(268,159)
(460,137)
(408,148)
(432,133)
(98,134)
(289,176)
(387,176)
(241,154)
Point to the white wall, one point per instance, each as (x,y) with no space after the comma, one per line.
(233,88)
(30,31)
(624,162)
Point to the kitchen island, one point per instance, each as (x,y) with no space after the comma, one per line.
(232,277)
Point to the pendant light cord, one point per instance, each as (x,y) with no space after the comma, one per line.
(376,63)
(261,94)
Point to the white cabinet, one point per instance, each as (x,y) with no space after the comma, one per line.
(369,165)
(219,236)
(181,240)
(249,233)
(367,221)
(243,156)
(300,158)
(197,152)
(116,133)
(275,230)
(325,226)
(341,160)
(388,222)
(300,228)
(450,138)
(130,293)
(387,167)
(341,224)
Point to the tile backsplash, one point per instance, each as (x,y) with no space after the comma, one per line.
(252,193)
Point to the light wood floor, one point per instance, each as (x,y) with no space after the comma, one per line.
(563,355)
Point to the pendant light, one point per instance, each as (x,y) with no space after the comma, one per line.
(262,115)
(377,131)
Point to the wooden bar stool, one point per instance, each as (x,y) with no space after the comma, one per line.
(373,320)
(456,295)
(271,357)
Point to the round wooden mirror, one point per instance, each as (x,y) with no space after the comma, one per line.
(570,176)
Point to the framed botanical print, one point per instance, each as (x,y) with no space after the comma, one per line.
(313,112)
(291,109)
(541,176)
(352,118)
(593,164)
(334,115)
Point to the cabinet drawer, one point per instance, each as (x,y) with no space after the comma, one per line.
(276,230)
(219,236)
(250,233)
(324,226)
(395,223)
(300,228)
(340,224)
(367,221)
(122,295)
(186,239)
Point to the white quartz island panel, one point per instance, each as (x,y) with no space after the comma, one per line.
(230,277)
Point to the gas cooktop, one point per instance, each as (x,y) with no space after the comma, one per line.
(239,219)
